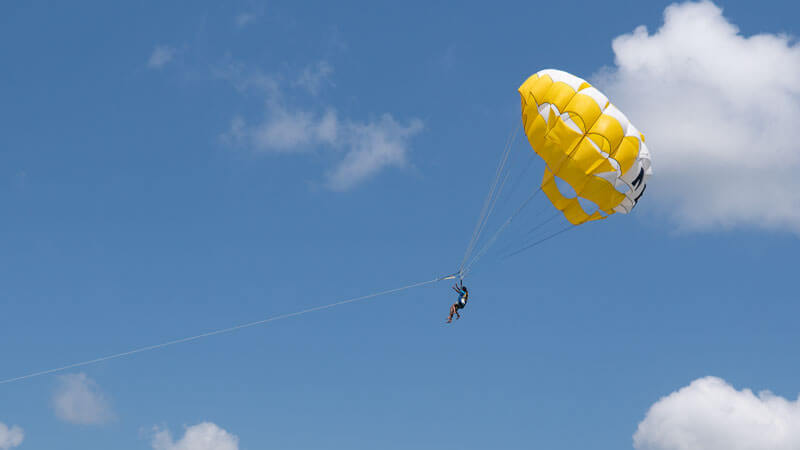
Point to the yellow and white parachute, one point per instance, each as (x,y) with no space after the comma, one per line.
(586,143)
(596,161)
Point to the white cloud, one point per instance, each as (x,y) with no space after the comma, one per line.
(291,130)
(372,147)
(314,77)
(710,414)
(78,400)
(285,131)
(248,80)
(161,55)
(719,111)
(367,147)
(10,437)
(203,436)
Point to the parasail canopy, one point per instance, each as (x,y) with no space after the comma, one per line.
(597,161)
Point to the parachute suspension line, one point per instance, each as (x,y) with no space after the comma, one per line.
(491,209)
(494,203)
(530,233)
(544,239)
(517,181)
(464,270)
(494,237)
(226,330)
(481,217)
(491,199)
(545,222)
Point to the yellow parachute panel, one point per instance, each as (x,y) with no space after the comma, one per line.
(587,143)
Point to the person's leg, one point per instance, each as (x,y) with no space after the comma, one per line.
(452,311)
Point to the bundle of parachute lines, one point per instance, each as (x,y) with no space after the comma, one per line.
(596,162)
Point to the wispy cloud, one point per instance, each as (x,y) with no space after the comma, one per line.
(314,77)
(372,147)
(161,56)
(203,436)
(244,19)
(286,131)
(719,111)
(78,400)
(367,147)
(248,16)
(710,414)
(244,79)
(10,437)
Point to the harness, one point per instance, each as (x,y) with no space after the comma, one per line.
(462,299)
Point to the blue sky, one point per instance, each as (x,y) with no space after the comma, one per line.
(166,170)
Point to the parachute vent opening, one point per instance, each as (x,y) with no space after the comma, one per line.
(564,188)
(621,186)
(589,207)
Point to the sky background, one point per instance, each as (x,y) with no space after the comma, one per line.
(169,169)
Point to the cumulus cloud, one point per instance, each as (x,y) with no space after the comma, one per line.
(719,111)
(710,414)
(161,55)
(367,147)
(314,77)
(78,400)
(203,436)
(10,437)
